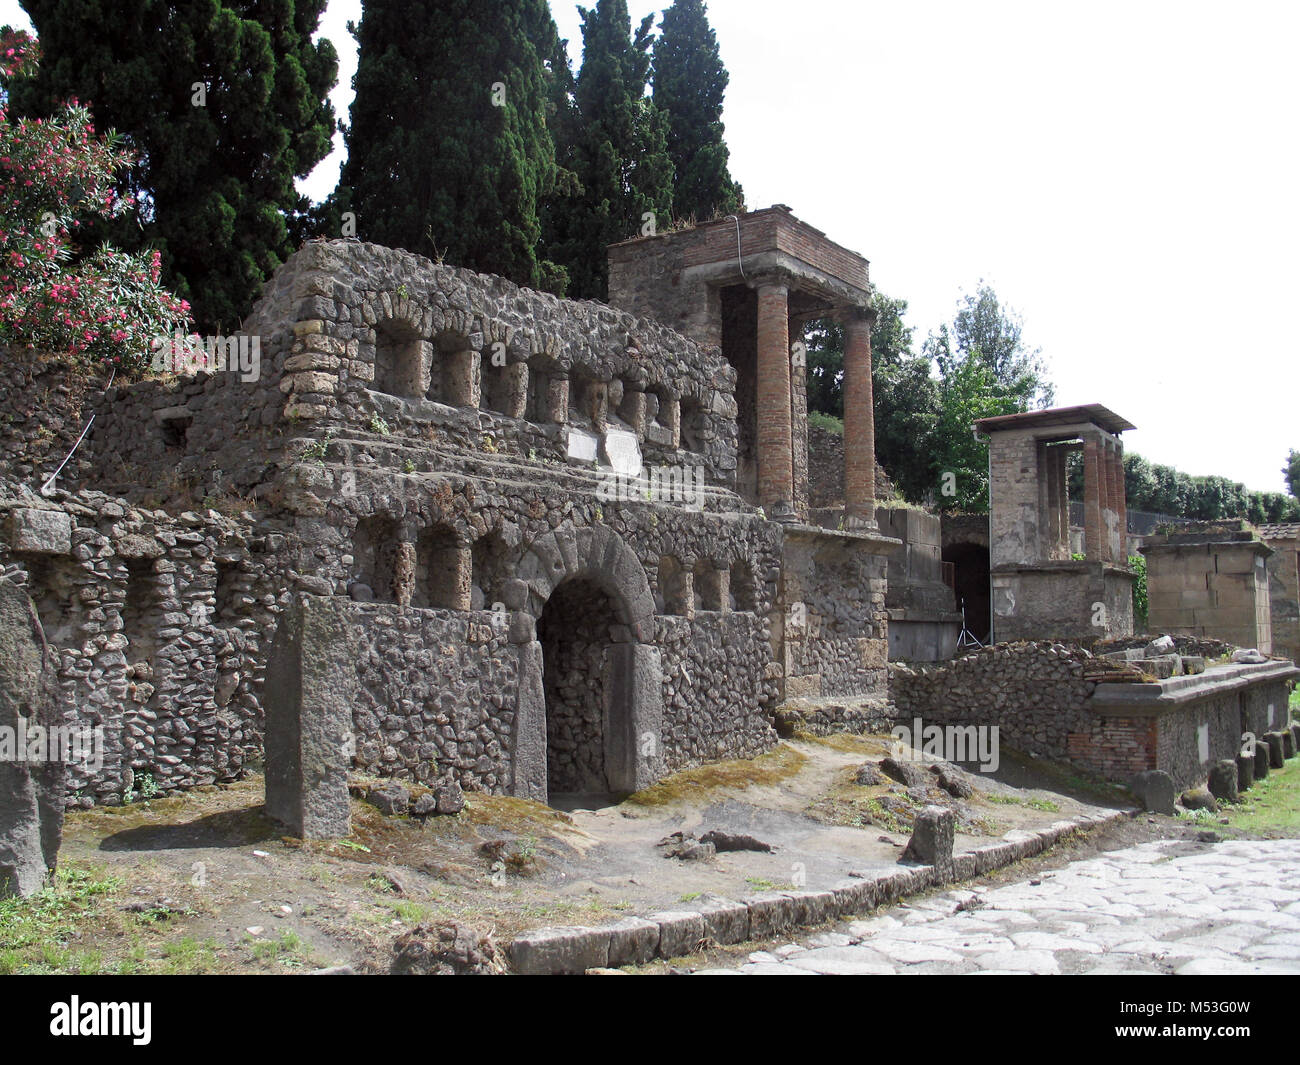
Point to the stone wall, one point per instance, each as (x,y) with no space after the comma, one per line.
(1053,700)
(826,471)
(159,624)
(1078,601)
(1210,579)
(1034,692)
(1284,588)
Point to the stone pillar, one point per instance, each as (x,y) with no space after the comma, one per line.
(311,688)
(557,400)
(462,577)
(724,589)
(1093,527)
(859,422)
(1119,502)
(775,436)
(1063,453)
(516,374)
(1052,464)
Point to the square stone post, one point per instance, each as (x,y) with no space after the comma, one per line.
(1093,526)
(1063,452)
(859,421)
(775,435)
(1052,464)
(1118,502)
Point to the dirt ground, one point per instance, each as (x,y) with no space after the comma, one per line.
(205,883)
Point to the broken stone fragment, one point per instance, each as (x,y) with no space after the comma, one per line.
(868,775)
(447,949)
(908,773)
(726,841)
(392,799)
(1199,799)
(450,797)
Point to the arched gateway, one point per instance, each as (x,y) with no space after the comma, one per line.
(590,704)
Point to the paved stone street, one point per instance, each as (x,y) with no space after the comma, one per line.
(1163,907)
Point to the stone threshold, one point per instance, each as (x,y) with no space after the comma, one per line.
(676,933)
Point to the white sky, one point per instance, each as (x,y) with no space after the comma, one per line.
(1123,174)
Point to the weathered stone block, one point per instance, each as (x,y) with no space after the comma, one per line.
(680,932)
(632,941)
(770,914)
(44,532)
(560,950)
(1262,758)
(725,920)
(31,791)
(1223,780)
(1154,789)
(932,840)
(1276,750)
(311,687)
(1245,771)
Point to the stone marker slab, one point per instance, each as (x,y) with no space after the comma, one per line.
(1223,780)
(31,792)
(311,688)
(582,446)
(622,452)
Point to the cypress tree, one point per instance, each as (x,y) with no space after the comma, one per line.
(689,84)
(620,154)
(225,103)
(448,149)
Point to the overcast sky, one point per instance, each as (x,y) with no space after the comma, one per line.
(1123,174)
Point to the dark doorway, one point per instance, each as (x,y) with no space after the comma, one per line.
(578,655)
(971,583)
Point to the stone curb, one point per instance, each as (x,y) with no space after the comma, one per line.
(674,933)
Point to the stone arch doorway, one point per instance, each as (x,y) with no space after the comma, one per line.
(590,704)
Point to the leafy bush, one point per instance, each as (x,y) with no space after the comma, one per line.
(102,308)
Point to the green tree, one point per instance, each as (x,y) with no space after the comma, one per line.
(224,102)
(449,153)
(984,329)
(689,84)
(620,149)
(968,391)
(905,392)
(1291,471)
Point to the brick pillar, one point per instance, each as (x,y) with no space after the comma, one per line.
(859,421)
(775,437)
(1093,526)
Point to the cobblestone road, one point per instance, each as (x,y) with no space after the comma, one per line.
(1163,907)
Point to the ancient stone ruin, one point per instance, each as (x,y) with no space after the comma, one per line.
(469,536)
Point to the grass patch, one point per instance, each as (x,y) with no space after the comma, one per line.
(35,932)
(1271,808)
(773,767)
(848,742)
(1047,805)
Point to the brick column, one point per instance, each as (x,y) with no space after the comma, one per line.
(1093,526)
(775,436)
(859,421)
